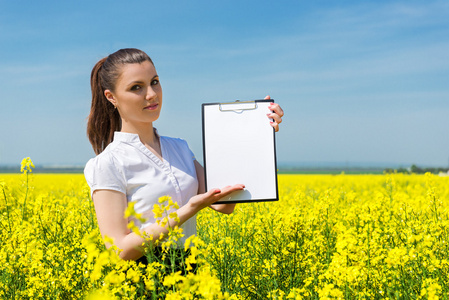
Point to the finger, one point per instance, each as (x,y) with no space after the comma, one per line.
(276,118)
(267,97)
(212,196)
(275,126)
(277,109)
(226,192)
(212,192)
(230,189)
(201,201)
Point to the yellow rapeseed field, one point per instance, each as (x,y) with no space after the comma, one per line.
(328,237)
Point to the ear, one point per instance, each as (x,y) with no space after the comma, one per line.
(108,94)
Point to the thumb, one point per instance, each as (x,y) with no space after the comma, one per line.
(212,192)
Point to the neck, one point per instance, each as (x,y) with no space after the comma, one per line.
(145,131)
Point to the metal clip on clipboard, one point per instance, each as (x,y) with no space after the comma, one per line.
(237,106)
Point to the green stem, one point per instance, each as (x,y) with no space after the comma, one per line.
(25,201)
(7,209)
(369,255)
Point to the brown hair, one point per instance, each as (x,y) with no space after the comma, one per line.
(104,119)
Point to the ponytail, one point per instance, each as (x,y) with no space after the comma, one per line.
(104,119)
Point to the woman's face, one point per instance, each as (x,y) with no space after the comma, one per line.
(137,95)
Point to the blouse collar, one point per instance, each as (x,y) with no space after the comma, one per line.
(129,137)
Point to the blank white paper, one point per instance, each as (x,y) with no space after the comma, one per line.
(239,147)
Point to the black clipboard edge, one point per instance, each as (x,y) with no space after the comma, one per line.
(204,154)
(246,201)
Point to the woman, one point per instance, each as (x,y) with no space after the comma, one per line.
(134,163)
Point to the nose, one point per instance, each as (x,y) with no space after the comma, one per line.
(151,94)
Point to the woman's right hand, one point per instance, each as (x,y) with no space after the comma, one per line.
(201,201)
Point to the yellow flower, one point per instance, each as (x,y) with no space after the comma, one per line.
(361,235)
(133,275)
(164,199)
(172,279)
(130,212)
(157,210)
(26,165)
(131,225)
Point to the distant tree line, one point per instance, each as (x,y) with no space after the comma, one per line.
(416,170)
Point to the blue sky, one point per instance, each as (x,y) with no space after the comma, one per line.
(361,82)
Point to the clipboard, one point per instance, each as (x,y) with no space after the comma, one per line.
(239,148)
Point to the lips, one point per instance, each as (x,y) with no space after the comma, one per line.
(152,106)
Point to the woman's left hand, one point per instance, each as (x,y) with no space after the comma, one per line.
(276,115)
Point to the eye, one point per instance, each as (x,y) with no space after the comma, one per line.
(155,82)
(135,87)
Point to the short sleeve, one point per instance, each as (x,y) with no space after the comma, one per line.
(190,153)
(102,173)
(183,148)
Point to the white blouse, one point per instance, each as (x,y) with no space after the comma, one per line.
(129,167)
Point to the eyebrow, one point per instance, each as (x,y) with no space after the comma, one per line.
(141,82)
